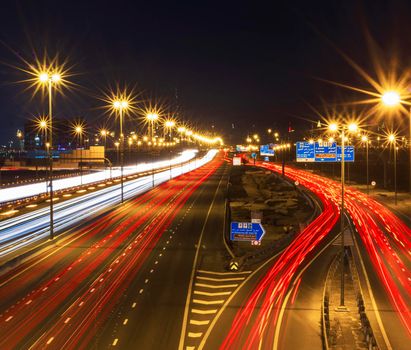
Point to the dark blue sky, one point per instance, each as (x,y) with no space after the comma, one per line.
(247,63)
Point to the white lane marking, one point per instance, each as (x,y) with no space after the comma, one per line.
(81,303)
(224,273)
(203,312)
(45,288)
(67,320)
(115,342)
(50,340)
(155,262)
(216,286)
(29,302)
(206,302)
(9,318)
(134,305)
(151,271)
(221,279)
(146,280)
(199,323)
(190,286)
(125,321)
(210,294)
(194,335)
(141,291)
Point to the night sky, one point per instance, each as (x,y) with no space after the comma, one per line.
(251,64)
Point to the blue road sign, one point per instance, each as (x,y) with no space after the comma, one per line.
(349,154)
(325,152)
(254,155)
(246,231)
(305,152)
(267,150)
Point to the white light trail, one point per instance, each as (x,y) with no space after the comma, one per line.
(25,191)
(26,229)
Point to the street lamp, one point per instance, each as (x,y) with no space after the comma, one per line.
(168,127)
(334,127)
(120,105)
(50,78)
(393,140)
(392,99)
(152,118)
(103,133)
(364,139)
(78,131)
(117,144)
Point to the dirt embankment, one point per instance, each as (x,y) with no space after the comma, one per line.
(284,210)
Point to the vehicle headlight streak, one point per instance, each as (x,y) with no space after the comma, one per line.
(25,229)
(10,194)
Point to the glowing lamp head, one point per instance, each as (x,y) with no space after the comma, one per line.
(103,132)
(124,104)
(152,116)
(333,127)
(169,123)
(116,104)
(390,98)
(391,137)
(364,138)
(43,77)
(181,129)
(56,77)
(352,127)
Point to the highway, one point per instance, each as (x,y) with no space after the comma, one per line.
(151,274)
(29,228)
(23,191)
(118,280)
(277,303)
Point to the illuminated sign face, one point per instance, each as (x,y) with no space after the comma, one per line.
(267,150)
(322,152)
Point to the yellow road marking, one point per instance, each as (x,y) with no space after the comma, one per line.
(205,302)
(221,279)
(203,312)
(199,323)
(194,335)
(216,286)
(210,294)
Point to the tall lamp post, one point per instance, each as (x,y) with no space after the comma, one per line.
(152,118)
(121,106)
(78,130)
(392,140)
(50,79)
(392,99)
(168,128)
(333,127)
(364,139)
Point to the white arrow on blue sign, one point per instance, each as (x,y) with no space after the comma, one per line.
(246,231)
